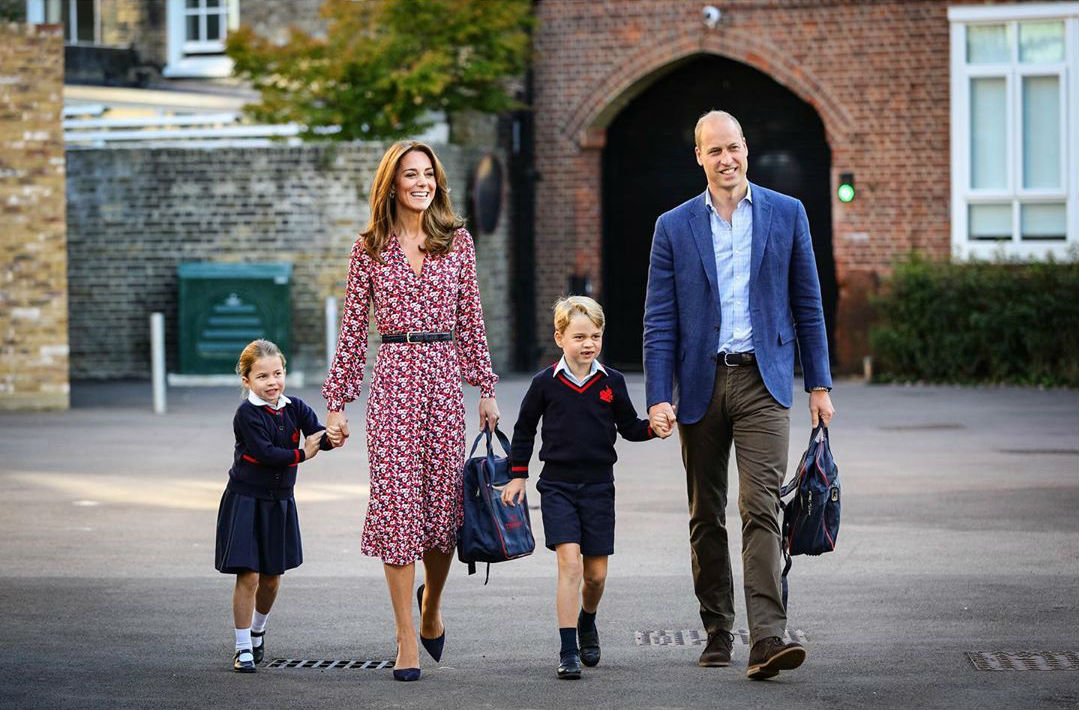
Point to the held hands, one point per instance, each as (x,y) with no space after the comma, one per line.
(661,418)
(820,408)
(337,428)
(310,445)
(513,492)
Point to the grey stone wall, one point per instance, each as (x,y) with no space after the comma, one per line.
(135,213)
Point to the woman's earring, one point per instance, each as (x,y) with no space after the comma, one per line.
(393,194)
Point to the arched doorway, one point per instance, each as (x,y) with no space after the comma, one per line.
(649,168)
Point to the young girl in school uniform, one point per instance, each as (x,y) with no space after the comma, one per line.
(258,532)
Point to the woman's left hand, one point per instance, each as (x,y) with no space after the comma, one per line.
(488,414)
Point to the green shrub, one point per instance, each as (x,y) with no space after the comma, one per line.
(979,322)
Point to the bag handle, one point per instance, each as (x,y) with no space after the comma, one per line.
(490,450)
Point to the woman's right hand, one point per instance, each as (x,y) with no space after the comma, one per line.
(513,492)
(337,427)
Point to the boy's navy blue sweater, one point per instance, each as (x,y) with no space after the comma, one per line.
(580,426)
(268,448)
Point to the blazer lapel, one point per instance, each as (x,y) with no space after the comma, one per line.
(762,225)
(700,225)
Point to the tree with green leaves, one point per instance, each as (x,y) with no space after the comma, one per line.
(384,65)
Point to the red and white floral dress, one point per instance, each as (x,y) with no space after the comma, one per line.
(415,410)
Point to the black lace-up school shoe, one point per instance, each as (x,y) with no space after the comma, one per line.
(244,661)
(259,651)
(589,641)
(569,667)
(717,653)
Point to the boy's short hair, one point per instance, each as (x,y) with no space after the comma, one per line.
(567,307)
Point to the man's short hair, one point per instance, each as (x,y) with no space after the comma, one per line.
(714,113)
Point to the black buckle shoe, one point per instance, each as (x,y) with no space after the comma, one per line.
(589,641)
(244,661)
(258,651)
(569,667)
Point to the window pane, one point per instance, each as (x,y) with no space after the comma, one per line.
(1043,222)
(192,4)
(990,222)
(52,11)
(193,28)
(65,17)
(988,139)
(213,3)
(1041,131)
(1041,42)
(988,44)
(84,20)
(213,27)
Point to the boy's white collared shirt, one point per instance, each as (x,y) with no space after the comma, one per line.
(282,400)
(562,366)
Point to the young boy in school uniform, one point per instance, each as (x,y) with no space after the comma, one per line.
(584,406)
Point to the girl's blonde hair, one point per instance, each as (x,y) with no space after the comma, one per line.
(254,351)
(439,220)
(566,308)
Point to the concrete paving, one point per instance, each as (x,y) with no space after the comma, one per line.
(959,535)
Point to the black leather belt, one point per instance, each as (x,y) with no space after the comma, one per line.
(737,359)
(417,337)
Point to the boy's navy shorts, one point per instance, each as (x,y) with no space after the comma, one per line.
(578,512)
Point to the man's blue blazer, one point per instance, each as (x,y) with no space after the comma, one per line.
(682,311)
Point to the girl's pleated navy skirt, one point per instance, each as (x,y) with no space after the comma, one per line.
(256,534)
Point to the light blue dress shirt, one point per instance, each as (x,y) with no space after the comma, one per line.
(563,366)
(733,245)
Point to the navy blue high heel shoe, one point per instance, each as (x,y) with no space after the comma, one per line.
(433,646)
(406,674)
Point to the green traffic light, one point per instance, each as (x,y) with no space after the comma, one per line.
(845,193)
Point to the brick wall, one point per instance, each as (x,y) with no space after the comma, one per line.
(876,72)
(136,213)
(139,24)
(33,254)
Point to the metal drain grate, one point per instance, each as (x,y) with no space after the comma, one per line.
(698,637)
(1024,660)
(326,665)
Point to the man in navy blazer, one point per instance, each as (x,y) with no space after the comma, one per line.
(732,288)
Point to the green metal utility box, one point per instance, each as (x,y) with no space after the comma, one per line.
(223,307)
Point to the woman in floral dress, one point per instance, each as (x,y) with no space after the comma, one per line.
(417,265)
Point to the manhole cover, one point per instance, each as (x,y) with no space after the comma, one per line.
(327,664)
(1024,660)
(922,427)
(698,637)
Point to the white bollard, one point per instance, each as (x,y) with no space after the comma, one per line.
(331,329)
(157,360)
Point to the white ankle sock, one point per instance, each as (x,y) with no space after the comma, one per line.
(243,638)
(258,622)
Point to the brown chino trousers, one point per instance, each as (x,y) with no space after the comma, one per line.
(744,413)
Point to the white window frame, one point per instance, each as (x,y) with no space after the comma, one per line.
(191,59)
(36,15)
(963,196)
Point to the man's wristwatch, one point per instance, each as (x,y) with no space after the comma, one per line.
(821,389)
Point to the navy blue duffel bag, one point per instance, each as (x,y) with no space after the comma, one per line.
(490,530)
(811,517)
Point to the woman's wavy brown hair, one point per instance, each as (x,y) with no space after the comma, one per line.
(439,220)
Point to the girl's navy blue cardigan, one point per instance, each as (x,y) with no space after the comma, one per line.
(580,426)
(268,448)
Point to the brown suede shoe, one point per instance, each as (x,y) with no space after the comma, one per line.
(718,651)
(769,656)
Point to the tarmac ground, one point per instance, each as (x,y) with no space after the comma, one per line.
(959,536)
